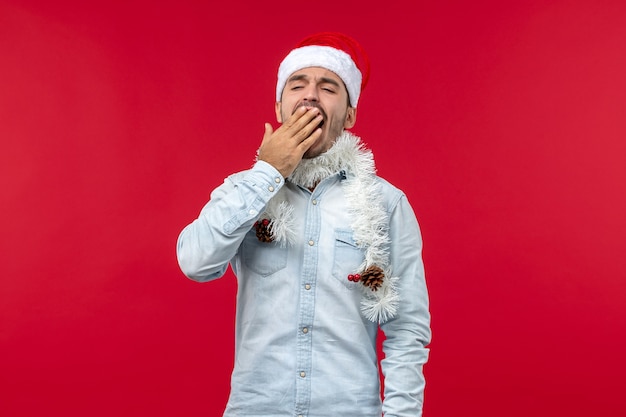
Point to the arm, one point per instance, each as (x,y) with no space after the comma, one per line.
(206,246)
(408,334)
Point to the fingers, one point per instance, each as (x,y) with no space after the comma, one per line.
(307,125)
(310,140)
(302,122)
(284,147)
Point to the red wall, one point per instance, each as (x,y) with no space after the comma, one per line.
(504,122)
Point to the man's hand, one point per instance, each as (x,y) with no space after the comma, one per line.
(284,148)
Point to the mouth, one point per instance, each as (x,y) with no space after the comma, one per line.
(309,104)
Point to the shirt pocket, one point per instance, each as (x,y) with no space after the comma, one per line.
(263,258)
(348,257)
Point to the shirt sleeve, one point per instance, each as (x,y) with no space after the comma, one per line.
(408,333)
(206,246)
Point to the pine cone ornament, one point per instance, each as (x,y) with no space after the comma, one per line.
(263,230)
(373,277)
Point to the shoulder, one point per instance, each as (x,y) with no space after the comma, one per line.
(391,194)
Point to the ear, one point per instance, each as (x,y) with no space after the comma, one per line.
(350,118)
(277,109)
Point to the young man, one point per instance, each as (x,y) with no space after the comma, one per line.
(324,251)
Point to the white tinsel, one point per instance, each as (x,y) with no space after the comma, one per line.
(282,221)
(365,203)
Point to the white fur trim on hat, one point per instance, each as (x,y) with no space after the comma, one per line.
(327,57)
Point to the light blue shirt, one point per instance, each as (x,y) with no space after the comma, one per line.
(302,346)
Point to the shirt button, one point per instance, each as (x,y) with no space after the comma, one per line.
(307,287)
(311,243)
(277,180)
(271,188)
(314,202)
(302,374)
(305,330)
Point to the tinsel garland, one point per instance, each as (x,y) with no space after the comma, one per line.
(379,301)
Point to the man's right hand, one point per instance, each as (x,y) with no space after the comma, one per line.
(284,147)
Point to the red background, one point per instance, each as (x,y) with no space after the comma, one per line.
(504,122)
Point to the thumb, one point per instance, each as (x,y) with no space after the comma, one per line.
(268,132)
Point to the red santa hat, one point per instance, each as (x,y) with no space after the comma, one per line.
(334,51)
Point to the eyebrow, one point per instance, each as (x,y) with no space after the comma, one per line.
(323,80)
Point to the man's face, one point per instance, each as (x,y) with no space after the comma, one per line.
(321,88)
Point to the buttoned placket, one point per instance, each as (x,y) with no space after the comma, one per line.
(307,304)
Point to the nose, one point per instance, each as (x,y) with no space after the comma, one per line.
(310,93)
